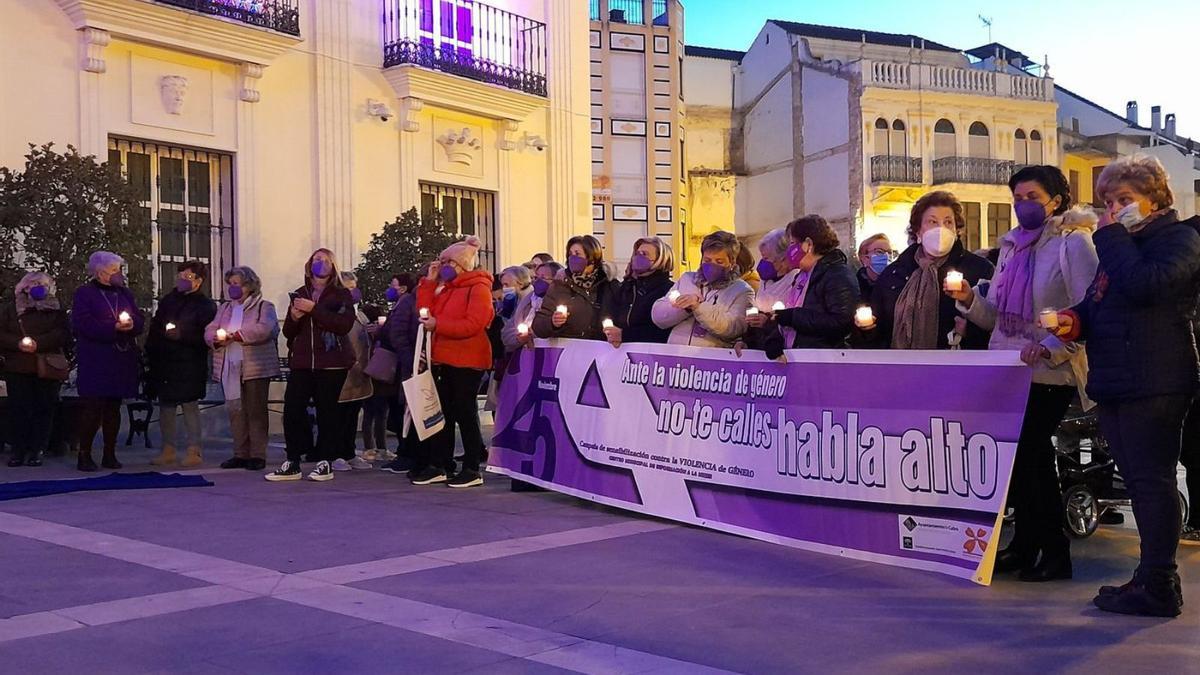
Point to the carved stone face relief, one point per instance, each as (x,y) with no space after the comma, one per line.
(173,89)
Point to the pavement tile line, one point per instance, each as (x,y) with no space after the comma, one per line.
(323,589)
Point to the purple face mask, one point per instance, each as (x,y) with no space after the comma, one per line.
(392,294)
(234,292)
(38,293)
(183,285)
(540,287)
(640,264)
(356,295)
(576,264)
(320,269)
(713,273)
(795,254)
(766,270)
(117,280)
(447,274)
(1030,214)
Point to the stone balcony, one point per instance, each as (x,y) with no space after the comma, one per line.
(929,77)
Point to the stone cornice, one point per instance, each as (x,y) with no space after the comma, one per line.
(459,93)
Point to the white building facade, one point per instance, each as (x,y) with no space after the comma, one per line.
(257,132)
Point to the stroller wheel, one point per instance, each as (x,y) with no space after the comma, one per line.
(1083,514)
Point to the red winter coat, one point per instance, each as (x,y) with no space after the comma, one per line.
(463,311)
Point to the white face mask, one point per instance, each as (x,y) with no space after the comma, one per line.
(938,241)
(1130,216)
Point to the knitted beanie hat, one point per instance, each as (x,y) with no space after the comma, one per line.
(465,252)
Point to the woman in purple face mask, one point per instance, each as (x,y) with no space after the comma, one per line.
(33,326)
(245,356)
(527,309)
(1047,261)
(178,357)
(587,294)
(647,279)
(707,308)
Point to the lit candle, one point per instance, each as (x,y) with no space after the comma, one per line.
(124,317)
(864,317)
(752,311)
(424,312)
(170,326)
(523,329)
(673,296)
(1048,318)
(954,280)
(222,334)
(561,309)
(381,320)
(607,323)
(778,306)
(27,341)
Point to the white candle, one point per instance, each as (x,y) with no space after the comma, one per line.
(863,316)
(170,326)
(752,311)
(27,341)
(954,280)
(124,317)
(1048,318)
(523,329)
(607,323)
(381,320)
(673,296)
(561,309)
(778,306)
(424,312)
(222,334)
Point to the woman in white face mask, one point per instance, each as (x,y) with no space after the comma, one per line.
(910,309)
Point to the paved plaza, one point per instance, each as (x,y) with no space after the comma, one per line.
(368,574)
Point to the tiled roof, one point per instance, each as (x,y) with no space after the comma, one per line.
(713,53)
(857,35)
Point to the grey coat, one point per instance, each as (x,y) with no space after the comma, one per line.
(260,331)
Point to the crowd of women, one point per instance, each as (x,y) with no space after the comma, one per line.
(1101,307)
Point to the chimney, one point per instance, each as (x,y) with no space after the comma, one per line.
(1156,118)
(1169,126)
(1131,112)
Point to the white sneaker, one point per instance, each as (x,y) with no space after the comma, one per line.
(323,472)
(340,465)
(388,455)
(359,463)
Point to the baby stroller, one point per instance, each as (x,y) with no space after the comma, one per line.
(1091,486)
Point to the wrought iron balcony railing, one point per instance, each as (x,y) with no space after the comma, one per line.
(976,170)
(468,39)
(282,16)
(894,169)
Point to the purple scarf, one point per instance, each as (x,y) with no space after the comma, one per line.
(1014,288)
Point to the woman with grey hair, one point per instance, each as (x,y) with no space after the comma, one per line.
(245,358)
(106,322)
(34,336)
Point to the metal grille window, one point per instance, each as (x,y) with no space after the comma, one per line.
(187,196)
(464,212)
(974,224)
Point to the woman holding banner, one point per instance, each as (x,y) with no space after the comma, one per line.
(1048,261)
(543,277)
(647,279)
(707,308)
(909,310)
(1142,355)
(818,306)
(576,307)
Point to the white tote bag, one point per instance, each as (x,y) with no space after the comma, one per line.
(424,408)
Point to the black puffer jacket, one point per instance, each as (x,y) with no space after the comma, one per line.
(635,299)
(179,362)
(586,309)
(1136,319)
(825,319)
(48,328)
(891,282)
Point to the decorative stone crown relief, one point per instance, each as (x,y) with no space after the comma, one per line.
(174,90)
(461,146)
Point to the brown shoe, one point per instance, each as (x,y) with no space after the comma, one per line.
(166,458)
(194,457)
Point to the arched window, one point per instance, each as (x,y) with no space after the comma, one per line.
(943,139)
(1020,148)
(899,143)
(1035,148)
(978,142)
(881,137)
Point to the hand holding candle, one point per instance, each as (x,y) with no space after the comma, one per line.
(954,281)
(751,311)
(606,324)
(28,345)
(559,319)
(778,306)
(522,329)
(1048,319)
(222,335)
(673,296)
(381,320)
(864,317)
(424,312)
(124,322)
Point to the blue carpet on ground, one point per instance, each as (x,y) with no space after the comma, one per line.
(114,481)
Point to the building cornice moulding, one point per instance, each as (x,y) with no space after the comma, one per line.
(459,93)
(166,26)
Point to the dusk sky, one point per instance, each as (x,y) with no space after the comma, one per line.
(1103,50)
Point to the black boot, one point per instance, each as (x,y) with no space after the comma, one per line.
(109,461)
(1149,593)
(1009,560)
(1052,566)
(86,463)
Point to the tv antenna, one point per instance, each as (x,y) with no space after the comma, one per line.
(987,23)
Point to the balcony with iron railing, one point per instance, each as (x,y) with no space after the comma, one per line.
(629,11)
(467,39)
(951,79)
(282,16)
(975,170)
(895,169)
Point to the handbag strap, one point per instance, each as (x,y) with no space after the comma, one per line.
(424,342)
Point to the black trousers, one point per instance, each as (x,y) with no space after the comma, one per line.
(98,414)
(32,403)
(1190,458)
(1144,436)
(349,438)
(1034,492)
(322,388)
(458,389)
(374,423)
